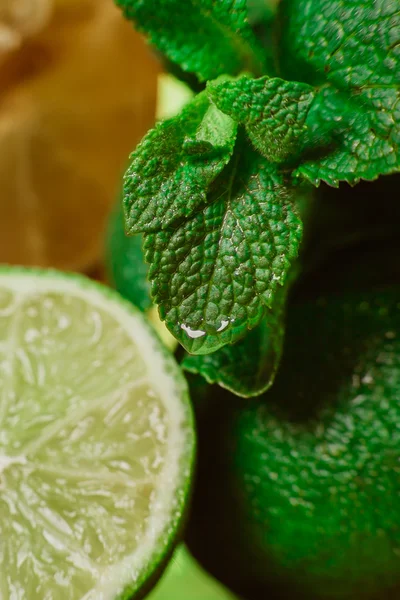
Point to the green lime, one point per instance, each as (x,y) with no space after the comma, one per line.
(300,490)
(96,442)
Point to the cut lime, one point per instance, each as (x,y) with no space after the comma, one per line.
(96,442)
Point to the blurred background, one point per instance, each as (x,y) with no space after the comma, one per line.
(78,90)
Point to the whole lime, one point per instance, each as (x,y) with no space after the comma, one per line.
(299,490)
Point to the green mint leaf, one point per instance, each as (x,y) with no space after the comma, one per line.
(350,43)
(206,37)
(248,367)
(357,136)
(125,263)
(273,111)
(350,51)
(173,166)
(215,273)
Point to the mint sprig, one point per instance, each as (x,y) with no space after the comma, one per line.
(220,216)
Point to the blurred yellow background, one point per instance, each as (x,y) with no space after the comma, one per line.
(77,92)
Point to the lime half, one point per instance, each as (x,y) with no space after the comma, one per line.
(96,442)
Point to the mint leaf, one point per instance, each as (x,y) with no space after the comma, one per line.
(248,367)
(352,137)
(273,111)
(350,43)
(350,51)
(206,37)
(215,273)
(172,168)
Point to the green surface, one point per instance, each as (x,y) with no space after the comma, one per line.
(185,580)
(213,274)
(96,442)
(298,493)
(171,169)
(202,36)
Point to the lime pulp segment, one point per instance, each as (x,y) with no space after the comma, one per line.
(96,441)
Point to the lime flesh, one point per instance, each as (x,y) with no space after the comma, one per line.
(96,442)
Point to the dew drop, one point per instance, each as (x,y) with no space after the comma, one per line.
(224,325)
(193,333)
